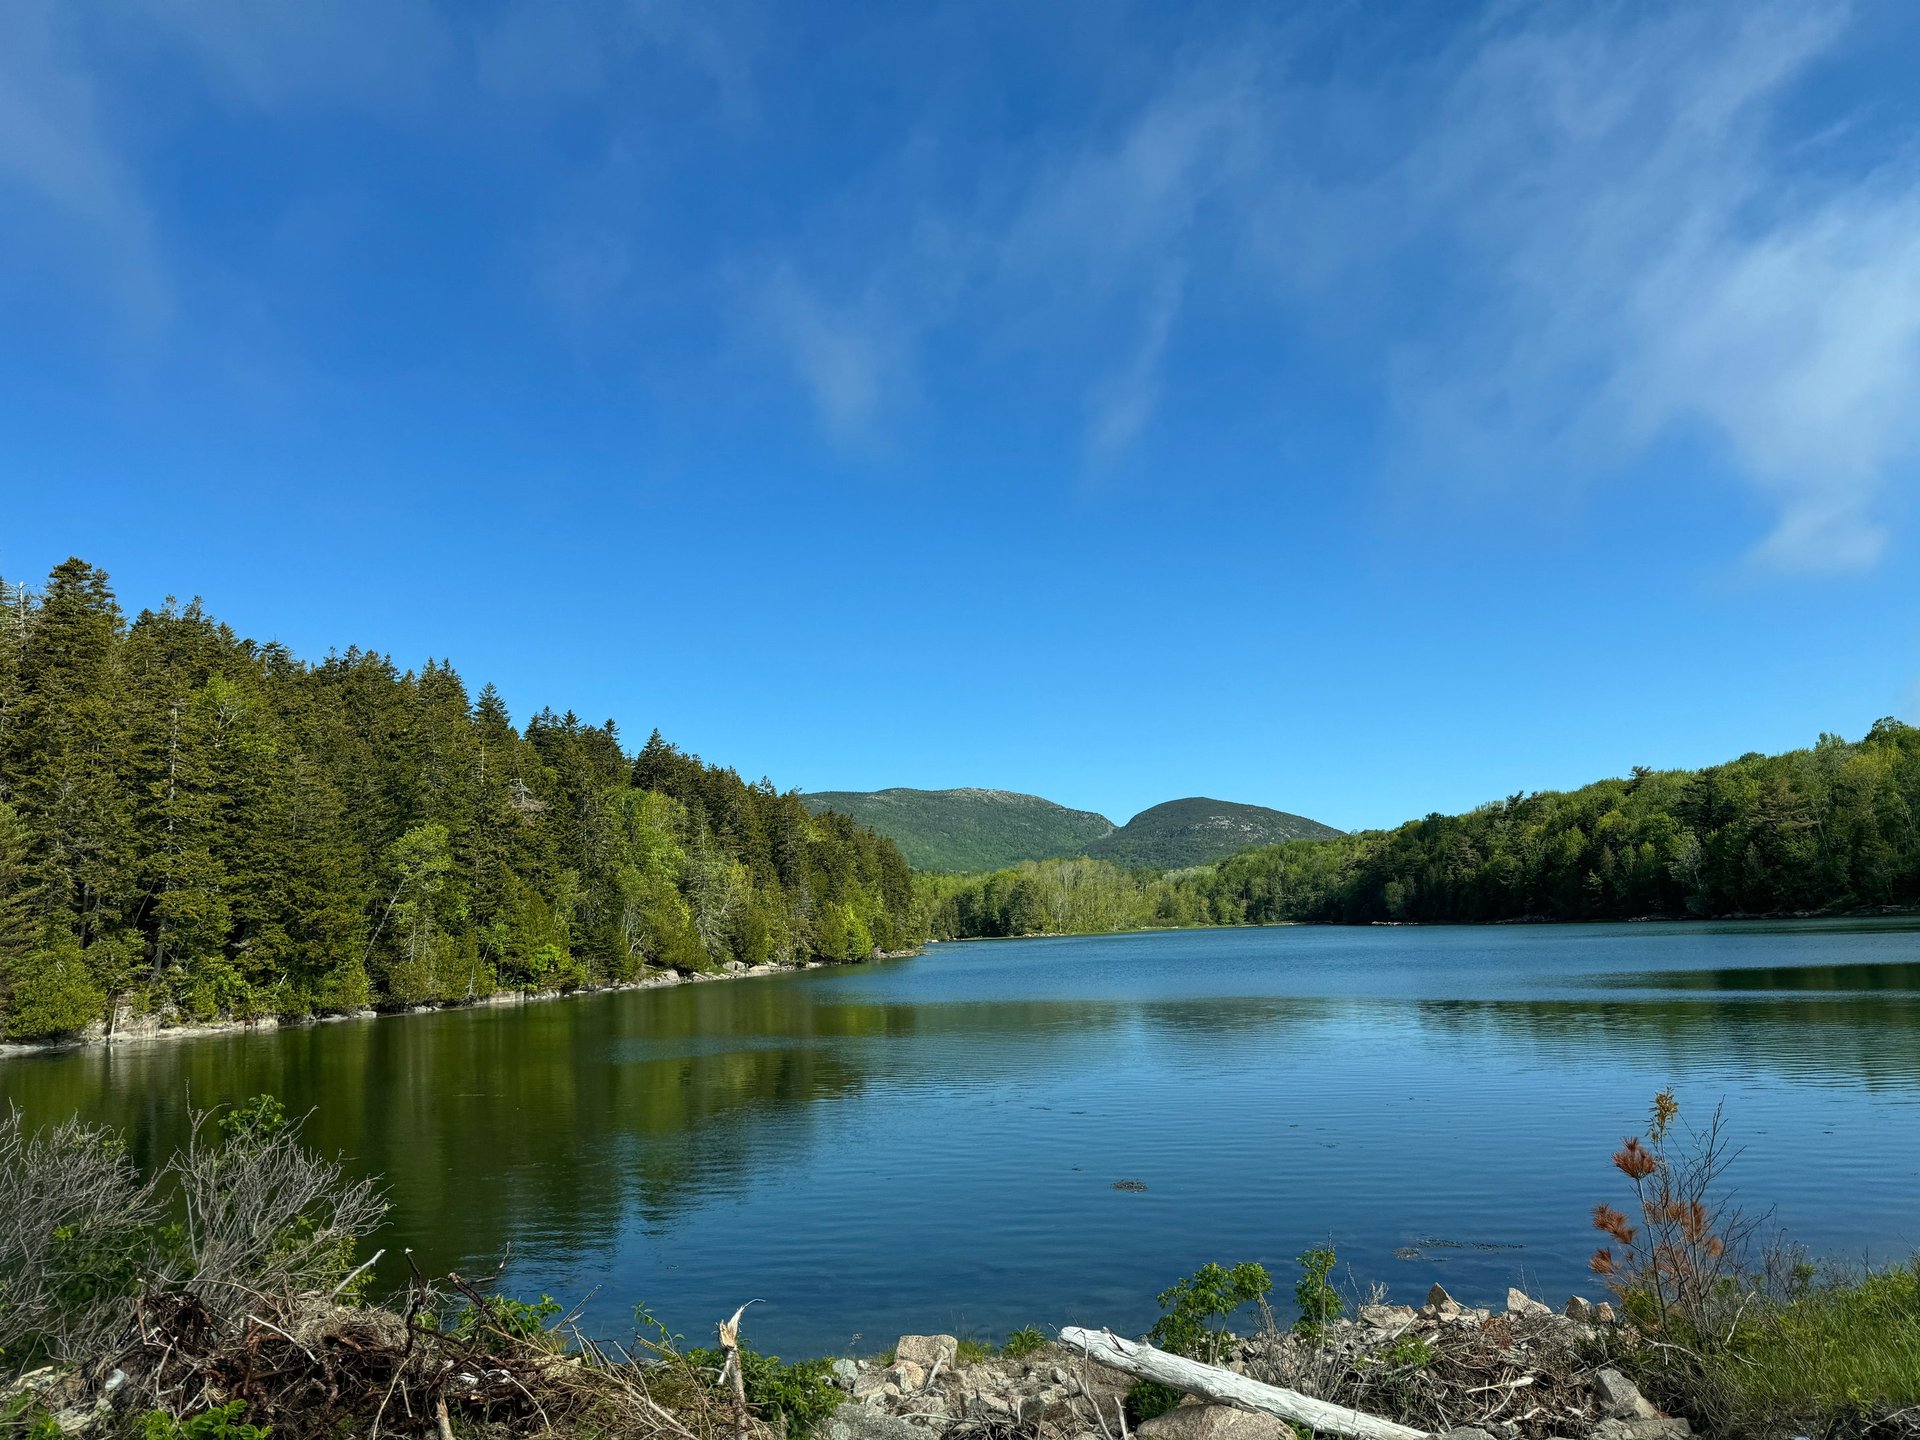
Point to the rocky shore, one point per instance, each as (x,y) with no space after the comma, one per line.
(1442,1369)
(128,1028)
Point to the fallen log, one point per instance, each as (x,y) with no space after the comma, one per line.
(1226,1388)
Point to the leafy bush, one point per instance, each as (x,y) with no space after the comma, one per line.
(1194,1310)
(1313,1292)
(77,1227)
(1023,1342)
(1149,1399)
(505,1320)
(222,1422)
(794,1397)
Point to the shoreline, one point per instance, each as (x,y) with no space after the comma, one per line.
(1873,912)
(149,1030)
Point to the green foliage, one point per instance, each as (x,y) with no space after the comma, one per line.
(504,1321)
(1180,834)
(1148,1399)
(203,826)
(52,993)
(970,831)
(1409,1352)
(1836,1354)
(1824,829)
(24,1417)
(221,1422)
(1319,1303)
(1193,1311)
(972,1350)
(794,1398)
(1023,1342)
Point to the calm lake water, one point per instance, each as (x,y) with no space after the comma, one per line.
(933,1143)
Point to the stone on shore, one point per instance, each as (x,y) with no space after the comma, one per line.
(1440,1302)
(1214,1422)
(1620,1398)
(1521,1303)
(863,1422)
(926,1351)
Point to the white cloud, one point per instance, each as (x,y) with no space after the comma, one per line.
(1559,241)
(58,160)
(1121,406)
(1648,262)
(849,356)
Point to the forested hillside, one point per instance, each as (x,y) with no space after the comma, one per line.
(1181,833)
(967,829)
(1833,828)
(193,822)
(963,831)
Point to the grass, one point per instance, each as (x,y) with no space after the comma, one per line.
(1846,1347)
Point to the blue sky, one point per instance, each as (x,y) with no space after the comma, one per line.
(1364,410)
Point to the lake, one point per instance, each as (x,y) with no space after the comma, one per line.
(934,1144)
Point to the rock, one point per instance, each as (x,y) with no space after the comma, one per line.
(1466,1432)
(1214,1422)
(1440,1302)
(907,1375)
(1521,1303)
(869,1384)
(983,1405)
(1603,1314)
(927,1351)
(845,1373)
(1620,1398)
(1655,1429)
(1579,1309)
(1387,1317)
(858,1422)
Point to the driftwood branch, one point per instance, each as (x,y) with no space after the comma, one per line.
(730,1347)
(1226,1388)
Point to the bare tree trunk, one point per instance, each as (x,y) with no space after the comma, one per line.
(1226,1388)
(730,1347)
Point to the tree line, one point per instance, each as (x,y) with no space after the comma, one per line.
(1827,829)
(192,823)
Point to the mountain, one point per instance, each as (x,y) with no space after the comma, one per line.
(1197,830)
(970,830)
(967,829)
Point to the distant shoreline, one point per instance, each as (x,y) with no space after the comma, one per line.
(1875,912)
(147,1030)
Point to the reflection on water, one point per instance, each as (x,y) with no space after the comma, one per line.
(934,1142)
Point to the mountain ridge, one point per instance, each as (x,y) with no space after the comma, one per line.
(973,828)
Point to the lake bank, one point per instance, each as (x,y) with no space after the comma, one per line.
(148,1029)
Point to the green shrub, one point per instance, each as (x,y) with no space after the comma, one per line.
(504,1321)
(794,1397)
(1313,1292)
(1194,1310)
(1149,1399)
(972,1351)
(222,1422)
(1023,1342)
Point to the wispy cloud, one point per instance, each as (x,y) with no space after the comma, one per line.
(59,160)
(849,355)
(1558,240)
(1121,406)
(1641,258)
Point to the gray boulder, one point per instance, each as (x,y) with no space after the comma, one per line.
(1521,1303)
(926,1351)
(1620,1398)
(859,1422)
(1214,1422)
